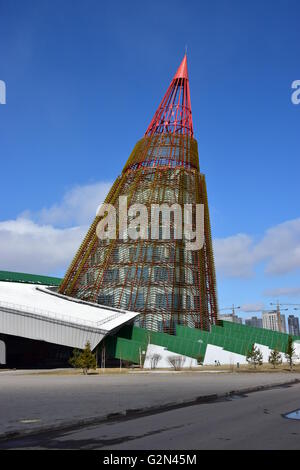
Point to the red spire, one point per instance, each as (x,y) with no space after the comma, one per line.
(174,114)
(182,71)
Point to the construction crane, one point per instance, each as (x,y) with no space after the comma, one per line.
(286,305)
(233,308)
(278,311)
(296,306)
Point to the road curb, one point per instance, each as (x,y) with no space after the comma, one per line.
(133,413)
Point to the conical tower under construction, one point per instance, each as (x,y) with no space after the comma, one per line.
(161,278)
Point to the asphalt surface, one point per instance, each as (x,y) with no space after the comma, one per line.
(253,421)
(32,402)
(242,421)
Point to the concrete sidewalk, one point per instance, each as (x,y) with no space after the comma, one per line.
(33,402)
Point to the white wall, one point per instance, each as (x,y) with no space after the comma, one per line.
(213,353)
(216,353)
(296,345)
(163,363)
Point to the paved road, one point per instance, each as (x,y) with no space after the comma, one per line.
(245,422)
(29,402)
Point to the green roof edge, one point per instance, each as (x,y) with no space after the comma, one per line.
(26,278)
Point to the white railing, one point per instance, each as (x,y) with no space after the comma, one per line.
(56,316)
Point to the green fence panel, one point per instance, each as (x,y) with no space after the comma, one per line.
(128,350)
(193,342)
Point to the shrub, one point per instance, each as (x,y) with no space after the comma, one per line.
(84,359)
(254,356)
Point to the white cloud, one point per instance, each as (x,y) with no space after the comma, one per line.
(77,207)
(46,241)
(253,307)
(279,249)
(234,256)
(282,292)
(28,247)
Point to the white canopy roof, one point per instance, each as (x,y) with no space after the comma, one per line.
(43,306)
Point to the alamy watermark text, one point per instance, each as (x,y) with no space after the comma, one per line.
(157,222)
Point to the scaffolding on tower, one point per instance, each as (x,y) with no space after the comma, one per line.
(163,280)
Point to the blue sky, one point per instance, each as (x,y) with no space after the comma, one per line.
(83,81)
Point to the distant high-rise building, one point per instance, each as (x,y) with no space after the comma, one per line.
(254,321)
(283,323)
(293,325)
(231,317)
(274,320)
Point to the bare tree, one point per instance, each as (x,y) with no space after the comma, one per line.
(176,361)
(154,360)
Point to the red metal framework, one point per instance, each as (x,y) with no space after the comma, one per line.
(174,114)
(162,279)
